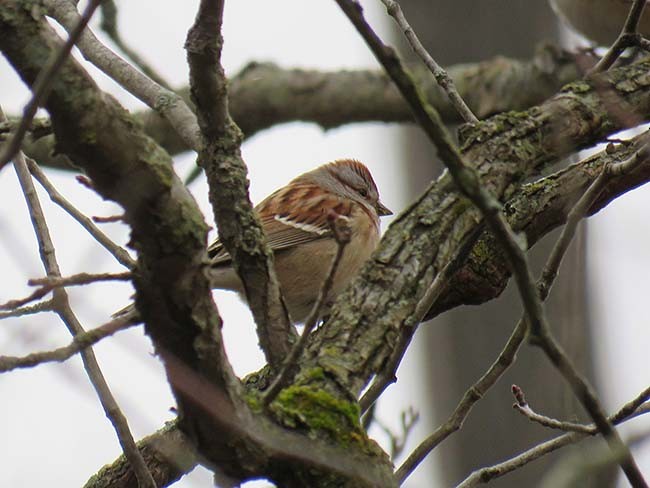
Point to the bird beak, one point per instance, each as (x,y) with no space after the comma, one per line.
(383,210)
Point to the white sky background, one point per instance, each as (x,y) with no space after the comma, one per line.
(52,429)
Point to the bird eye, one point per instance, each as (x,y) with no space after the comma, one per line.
(363,192)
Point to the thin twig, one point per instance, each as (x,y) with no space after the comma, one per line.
(467,180)
(507,355)
(464,176)
(44,306)
(52,282)
(455,421)
(442,78)
(119,253)
(627,38)
(342,234)
(543,338)
(99,219)
(109,25)
(79,279)
(408,420)
(43,82)
(522,406)
(169,104)
(63,309)
(79,342)
(485,475)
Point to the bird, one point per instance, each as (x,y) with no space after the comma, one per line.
(295,221)
(600,21)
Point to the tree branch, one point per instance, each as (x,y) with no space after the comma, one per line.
(239,228)
(485,475)
(79,342)
(162,100)
(120,254)
(522,406)
(442,78)
(263,95)
(507,355)
(625,39)
(61,306)
(44,82)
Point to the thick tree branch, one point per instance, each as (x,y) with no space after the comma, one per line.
(173,293)
(263,95)
(239,228)
(536,209)
(169,454)
(440,225)
(44,82)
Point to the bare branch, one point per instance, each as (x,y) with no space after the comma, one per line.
(62,308)
(507,355)
(220,156)
(79,279)
(52,282)
(120,254)
(43,83)
(466,178)
(164,101)
(485,475)
(627,38)
(408,420)
(522,407)
(263,95)
(442,78)
(45,306)
(79,342)
(109,26)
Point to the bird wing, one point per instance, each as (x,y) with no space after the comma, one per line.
(286,228)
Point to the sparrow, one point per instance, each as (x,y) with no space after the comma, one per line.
(600,21)
(295,221)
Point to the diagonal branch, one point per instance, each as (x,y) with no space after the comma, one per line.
(508,354)
(109,26)
(79,342)
(44,82)
(485,475)
(220,156)
(120,254)
(342,233)
(161,99)
(442,78)
(627,37)
(466,178)
(61,306)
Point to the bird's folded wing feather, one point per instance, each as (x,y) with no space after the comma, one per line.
(286,229)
